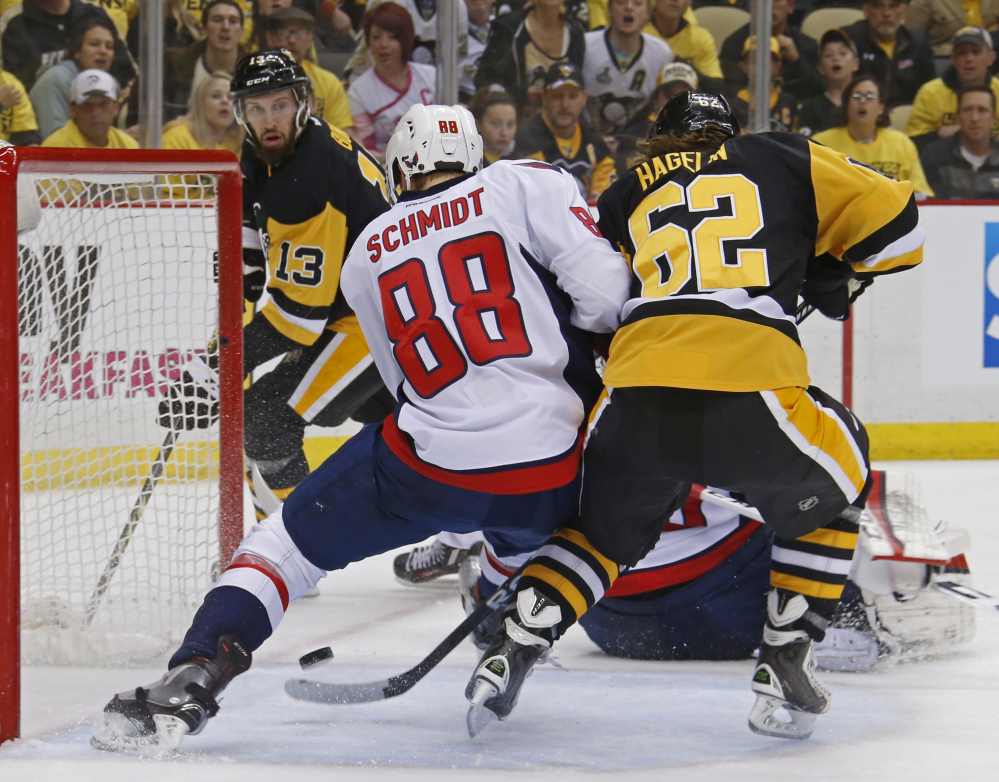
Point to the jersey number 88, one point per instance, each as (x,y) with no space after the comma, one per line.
(488,319)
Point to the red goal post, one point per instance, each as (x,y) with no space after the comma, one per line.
(216,204)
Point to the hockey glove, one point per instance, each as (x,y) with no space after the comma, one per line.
(254,274)
(835,303)
(192,401)
(831,287)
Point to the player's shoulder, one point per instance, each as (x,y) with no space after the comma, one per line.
(527,173)
(594,38)
(755,148)
(327,148)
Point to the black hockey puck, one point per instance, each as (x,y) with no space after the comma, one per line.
(315,658)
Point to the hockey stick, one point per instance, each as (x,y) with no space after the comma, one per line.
(365,692)
(951,589)
(145,493)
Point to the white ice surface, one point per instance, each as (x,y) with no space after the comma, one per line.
(601,716)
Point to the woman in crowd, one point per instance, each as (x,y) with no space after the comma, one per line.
(864,135)
(90,46)
(495,113)
(523,45)
(208,124)
(382,94)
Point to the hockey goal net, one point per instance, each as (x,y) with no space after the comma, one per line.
(111,526)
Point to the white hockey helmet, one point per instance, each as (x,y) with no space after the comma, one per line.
(428,139)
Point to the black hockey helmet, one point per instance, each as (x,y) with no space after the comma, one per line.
(271,70)
(267,71)
(690,112)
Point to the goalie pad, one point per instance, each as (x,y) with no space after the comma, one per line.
(894,615)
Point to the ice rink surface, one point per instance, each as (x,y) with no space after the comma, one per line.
(597,717)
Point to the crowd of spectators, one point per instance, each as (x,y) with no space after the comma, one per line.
(907,88)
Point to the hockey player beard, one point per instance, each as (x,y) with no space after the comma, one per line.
(274,155)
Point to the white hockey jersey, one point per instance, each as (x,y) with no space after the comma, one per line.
(471,295)
(616,95)
(377,106)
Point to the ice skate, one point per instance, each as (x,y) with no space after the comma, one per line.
(525,638)
(783,678)
(424,565)
(154,719)
(490,630)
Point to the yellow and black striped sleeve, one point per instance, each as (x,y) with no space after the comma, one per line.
(864,218)
(306,252)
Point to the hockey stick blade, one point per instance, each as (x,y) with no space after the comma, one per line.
(966,594)
(366,692)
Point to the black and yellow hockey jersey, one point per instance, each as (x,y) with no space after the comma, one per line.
(308,212)
(718,244)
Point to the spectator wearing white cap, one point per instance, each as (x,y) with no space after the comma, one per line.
(93,107)
(934,112)
(91,45)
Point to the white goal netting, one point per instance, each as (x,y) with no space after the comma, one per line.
(117,291)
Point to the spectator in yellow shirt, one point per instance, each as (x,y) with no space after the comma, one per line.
(690,42)
(291,28)
(17,118)
(934,114)
(864,135)
(93,107)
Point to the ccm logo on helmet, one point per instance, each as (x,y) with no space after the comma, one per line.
(448,126)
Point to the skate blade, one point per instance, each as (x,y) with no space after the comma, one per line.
(448,583)
(763,719)
(117,733)
(479,716)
